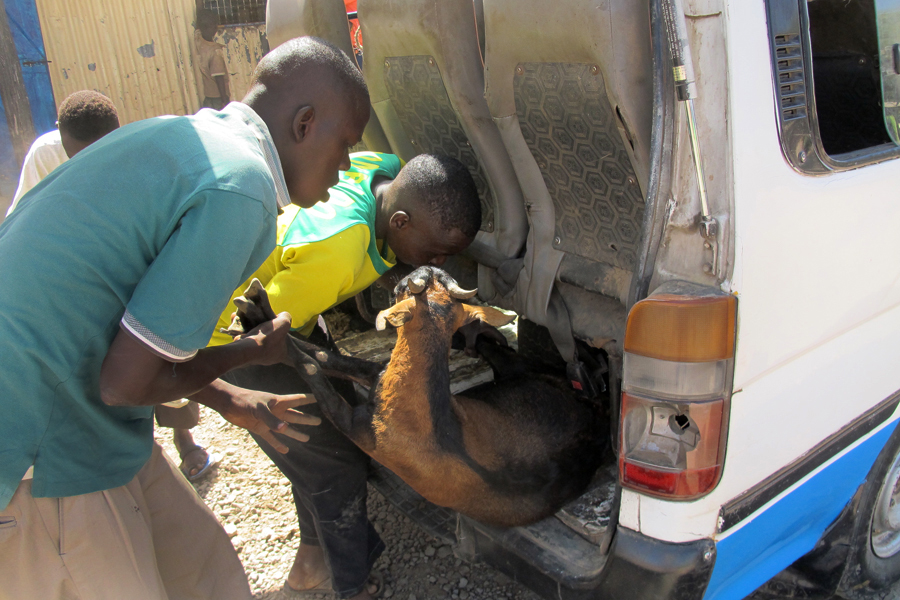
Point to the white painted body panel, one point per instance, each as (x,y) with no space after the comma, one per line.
(817,275)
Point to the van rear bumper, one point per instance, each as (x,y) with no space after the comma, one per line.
(636,567)
(641,567)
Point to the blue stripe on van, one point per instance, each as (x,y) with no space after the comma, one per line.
(790,527)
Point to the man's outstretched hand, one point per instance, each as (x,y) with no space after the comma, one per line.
(260,412)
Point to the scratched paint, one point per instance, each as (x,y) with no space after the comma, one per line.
(243,51)
(147,50)
(140,53)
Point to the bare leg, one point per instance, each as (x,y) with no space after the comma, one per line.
(193,457)
(309,570)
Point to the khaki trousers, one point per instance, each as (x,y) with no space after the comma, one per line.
(153,538)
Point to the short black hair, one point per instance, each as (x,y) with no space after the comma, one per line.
(445,186)
(87,116)
(207,17)
(299,56)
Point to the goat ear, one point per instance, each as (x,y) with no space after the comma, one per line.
(396,315)
(489,315)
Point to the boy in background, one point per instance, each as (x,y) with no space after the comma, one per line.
(211,59)
(84,117)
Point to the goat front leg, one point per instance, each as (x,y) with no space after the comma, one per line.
(335,364)
(354,422)
(254,309)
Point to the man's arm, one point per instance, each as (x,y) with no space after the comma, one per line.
(314,275)
(134,375)
(223,88)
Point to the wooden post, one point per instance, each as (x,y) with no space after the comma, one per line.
(12,92)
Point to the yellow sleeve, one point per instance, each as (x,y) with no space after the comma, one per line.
(308,279)
(217,64)
(315,276)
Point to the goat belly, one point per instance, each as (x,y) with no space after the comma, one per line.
(448,482)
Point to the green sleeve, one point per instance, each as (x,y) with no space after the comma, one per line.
(220,240)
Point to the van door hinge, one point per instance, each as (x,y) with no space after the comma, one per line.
(709,228)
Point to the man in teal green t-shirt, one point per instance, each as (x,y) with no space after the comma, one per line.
(114,272)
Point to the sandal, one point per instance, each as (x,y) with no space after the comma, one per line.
(211,461)
(374,585)
(322,591)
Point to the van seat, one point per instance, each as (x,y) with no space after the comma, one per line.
(568,84)
(572,131)
(423,65)
(325,19)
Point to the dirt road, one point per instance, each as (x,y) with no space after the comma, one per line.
(253,501)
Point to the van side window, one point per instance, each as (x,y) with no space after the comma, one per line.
(844,40)
(827,70)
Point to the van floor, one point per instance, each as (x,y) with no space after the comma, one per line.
(589,516)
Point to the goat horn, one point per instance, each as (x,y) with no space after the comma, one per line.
(416,285)
(459,293)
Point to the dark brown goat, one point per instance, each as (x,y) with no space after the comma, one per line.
(510,455)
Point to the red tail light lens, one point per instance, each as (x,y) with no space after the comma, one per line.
(671,449)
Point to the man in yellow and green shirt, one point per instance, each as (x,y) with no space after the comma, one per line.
(378,214)
(328,253)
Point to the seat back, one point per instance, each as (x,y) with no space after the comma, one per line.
(570,86)
(325,19)
(425,74)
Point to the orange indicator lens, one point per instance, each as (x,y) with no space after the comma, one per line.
(682,328)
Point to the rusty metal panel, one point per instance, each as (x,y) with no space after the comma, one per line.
(140,53)
(245,45)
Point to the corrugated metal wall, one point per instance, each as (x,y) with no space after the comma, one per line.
(140,53)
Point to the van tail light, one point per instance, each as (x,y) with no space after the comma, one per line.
(677,372)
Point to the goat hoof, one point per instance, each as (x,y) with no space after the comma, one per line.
(253,309)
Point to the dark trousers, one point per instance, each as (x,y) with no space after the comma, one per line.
(328,475)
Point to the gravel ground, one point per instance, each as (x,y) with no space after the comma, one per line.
(253,501)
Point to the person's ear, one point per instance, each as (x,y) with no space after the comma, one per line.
(399,220)
(303,120)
